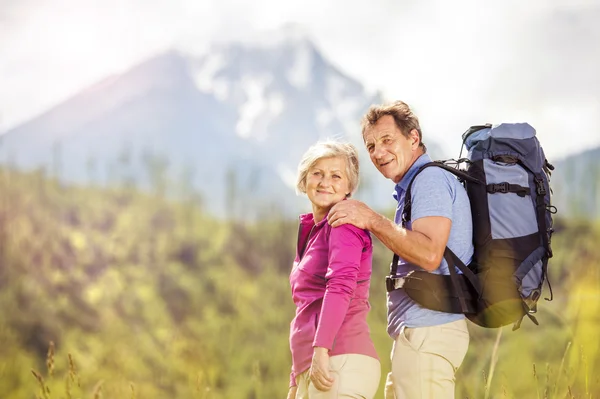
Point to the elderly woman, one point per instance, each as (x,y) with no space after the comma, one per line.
(333,355)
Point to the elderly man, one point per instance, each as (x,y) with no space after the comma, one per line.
(429,346)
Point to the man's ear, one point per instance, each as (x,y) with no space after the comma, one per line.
(414,135)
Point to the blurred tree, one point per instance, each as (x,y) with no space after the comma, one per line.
(57,160)
(139,298)
(231,193)
(156,167)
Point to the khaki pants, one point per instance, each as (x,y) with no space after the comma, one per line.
(424,361)
(355,376)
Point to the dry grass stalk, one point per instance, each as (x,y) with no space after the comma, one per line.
(547,385)
(73,371)
(504,383)
(199,382)
(560,369)
(587,374)
(493,361)
(40,380)
(535,377)
(98,389)
(50,359)
(68,387)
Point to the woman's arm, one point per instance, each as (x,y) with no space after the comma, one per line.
(346,244)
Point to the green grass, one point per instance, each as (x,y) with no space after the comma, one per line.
(143,297)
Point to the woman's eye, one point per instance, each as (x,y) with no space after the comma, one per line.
(336,177)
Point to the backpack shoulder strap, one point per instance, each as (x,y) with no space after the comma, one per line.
(462,175)
(406,212)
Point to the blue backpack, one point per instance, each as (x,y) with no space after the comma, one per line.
(507,181)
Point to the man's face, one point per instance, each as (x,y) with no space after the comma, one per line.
(391,152)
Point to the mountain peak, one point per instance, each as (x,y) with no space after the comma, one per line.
(290,34)
(251,106)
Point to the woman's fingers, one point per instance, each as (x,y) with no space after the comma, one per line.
(321,379)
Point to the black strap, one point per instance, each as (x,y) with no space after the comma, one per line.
(517,325)
(406,212)
(547,278)
(540,208)
(454,277)
(464,295)
(506,187)
(394,266)
(465,270)
(541,212)
(452,260)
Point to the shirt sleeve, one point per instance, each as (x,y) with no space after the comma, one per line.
(432,194)
(346,243)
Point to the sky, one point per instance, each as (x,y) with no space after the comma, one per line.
(457,63)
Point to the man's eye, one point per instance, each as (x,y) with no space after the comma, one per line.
(337,176)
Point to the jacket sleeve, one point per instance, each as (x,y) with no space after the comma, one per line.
(346,244)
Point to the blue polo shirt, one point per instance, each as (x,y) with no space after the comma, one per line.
(435,192)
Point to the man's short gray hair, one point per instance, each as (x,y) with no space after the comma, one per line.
(329,149)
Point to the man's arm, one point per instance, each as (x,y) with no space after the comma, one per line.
(423,246)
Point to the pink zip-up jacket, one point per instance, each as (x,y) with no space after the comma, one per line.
(330,287)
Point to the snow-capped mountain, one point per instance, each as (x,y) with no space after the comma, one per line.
(234,121)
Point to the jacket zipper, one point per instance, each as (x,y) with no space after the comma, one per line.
(301,254)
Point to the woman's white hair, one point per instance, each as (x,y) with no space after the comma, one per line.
(329,149)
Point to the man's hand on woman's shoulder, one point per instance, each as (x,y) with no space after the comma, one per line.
(351,212)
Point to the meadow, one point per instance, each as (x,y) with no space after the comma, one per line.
(111,292)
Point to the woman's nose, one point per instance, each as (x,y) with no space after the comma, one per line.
(325,182)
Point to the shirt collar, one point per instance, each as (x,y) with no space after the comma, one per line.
(402,185)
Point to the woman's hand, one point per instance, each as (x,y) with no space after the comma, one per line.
(319,369)
(292,393)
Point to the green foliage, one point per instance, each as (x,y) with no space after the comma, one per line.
(143,297)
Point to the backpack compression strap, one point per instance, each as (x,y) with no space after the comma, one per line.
(540,212)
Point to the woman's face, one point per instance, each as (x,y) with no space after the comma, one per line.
(327,183)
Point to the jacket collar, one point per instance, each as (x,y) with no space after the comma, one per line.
(308,219)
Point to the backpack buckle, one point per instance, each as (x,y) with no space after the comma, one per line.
(394,283)
(540,189)
(500,188)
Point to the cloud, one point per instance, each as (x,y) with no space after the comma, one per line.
(458,63)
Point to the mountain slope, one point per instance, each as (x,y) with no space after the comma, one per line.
(576,185)
(233,122)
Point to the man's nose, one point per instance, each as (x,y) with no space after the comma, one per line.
(377,152)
